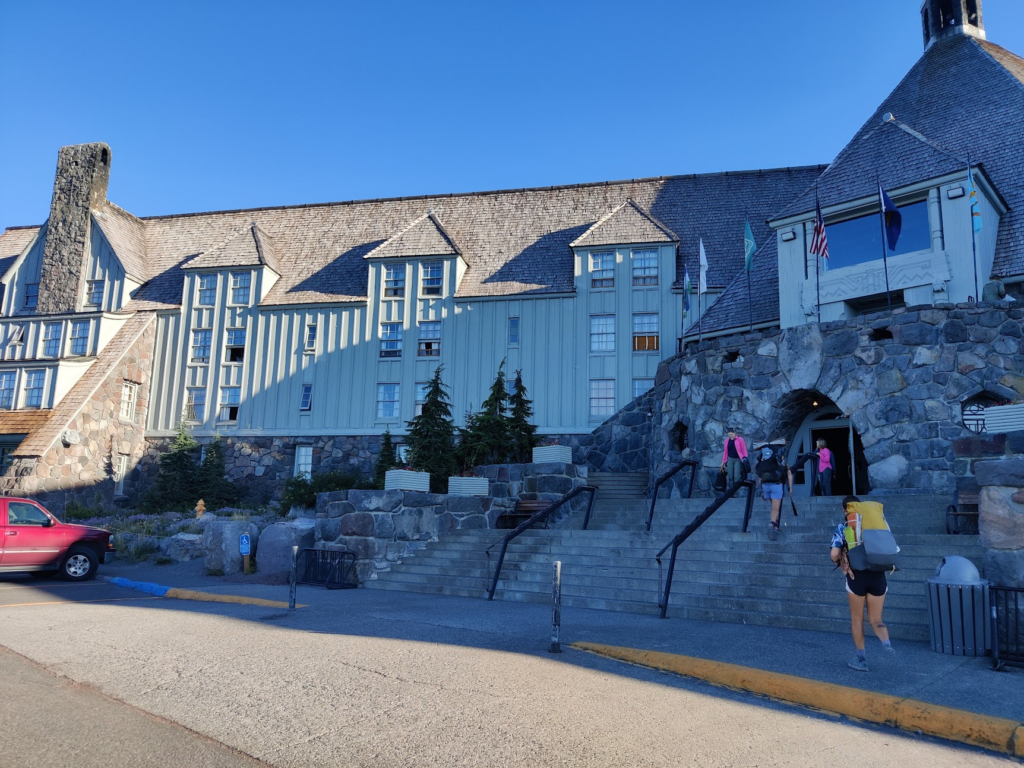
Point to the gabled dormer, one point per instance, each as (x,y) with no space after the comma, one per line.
(421,261)
(239,271)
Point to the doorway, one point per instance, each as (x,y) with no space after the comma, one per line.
(837,439)
(828,423)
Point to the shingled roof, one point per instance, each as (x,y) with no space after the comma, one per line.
(127,237)
(423,237)
(248,247)
(732,310)
(626,223)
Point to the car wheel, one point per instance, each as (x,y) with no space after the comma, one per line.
(79,565)
(43,574)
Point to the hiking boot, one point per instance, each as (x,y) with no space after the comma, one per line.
(889,649)
(857,663)
(773,531)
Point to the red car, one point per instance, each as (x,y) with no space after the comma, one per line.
(31,539)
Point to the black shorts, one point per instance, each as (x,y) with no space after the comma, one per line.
(867,583)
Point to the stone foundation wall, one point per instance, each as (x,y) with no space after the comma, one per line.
(1001,519)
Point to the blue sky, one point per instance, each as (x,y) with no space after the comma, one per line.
(219,105)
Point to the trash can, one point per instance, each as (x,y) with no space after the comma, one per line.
(958,609)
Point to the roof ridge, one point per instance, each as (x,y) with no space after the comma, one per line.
(984,44)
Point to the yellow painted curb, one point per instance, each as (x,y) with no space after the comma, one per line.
(995,733)
(210,597)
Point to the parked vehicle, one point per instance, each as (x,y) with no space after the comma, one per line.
(31,539)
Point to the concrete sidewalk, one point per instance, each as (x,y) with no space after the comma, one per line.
(915,672)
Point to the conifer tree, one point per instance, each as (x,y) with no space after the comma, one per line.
(386,460)
(486,438)
(432,436)
(523,434)
(177,482)
(215,489)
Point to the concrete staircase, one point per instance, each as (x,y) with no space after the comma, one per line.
(721,573)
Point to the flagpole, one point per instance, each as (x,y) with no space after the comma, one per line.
(817,258)
(970,210)
(750,304)
(885,250)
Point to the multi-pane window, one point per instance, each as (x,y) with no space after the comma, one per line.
(51,339)
(645,267)
(234,350)
(602,397)
(207,291)
(641,385)
(645,332)
(306,401)
(430,339)
(311,337)
(120,473)
(195,406)
(602,270)
(34,381)
(94,293)
(7,379)
(513,331)
(31,296)
(390,339)
(394,280)
(387,401)
(201,342)
(602,333)
(240,282)
(422,387)
(80,337)
(129,394)
(433,278)
(230,398)
(303,460)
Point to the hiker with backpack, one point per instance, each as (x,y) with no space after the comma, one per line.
(772,473)
(864,549)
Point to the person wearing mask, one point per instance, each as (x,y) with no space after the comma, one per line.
(825,467)
(734,453)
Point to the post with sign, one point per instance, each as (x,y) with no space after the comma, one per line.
(245,549)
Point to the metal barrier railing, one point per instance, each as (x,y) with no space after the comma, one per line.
(1007,626)
(331,568)
(533,520)
(689,530)
(653,489)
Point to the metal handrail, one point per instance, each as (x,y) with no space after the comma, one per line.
(658,483)
(689,530)
(533,520)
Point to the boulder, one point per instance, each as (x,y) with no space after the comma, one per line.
(1004,567)
(1001,520)
(275,555)
(220,544)
(800,356)
(1004,472)
(888,473)
(357,524)
(185,546)
(375,501)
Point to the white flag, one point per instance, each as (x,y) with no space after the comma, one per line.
(702,279)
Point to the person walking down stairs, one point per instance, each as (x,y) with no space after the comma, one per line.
(861,587)
(734,453)
(825,468)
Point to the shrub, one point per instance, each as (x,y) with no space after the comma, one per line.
(75,511)
(301,490)
(387,460)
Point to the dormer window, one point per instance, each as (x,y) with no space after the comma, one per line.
(207,290)
(602,270)
(394,281)
(433,278)
(645,267)
(31,296)
(94,293)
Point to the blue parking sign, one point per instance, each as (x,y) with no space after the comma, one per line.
(244,544)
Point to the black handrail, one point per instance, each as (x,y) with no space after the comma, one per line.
(658,483)
(533,520)
(689,530)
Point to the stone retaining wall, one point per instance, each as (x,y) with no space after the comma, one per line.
(1001,518)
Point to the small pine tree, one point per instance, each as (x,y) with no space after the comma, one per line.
(432,436)
(523,434)
(486,438)
(177,483)
(215,489)
(387,459)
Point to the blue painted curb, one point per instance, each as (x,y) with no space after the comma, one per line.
(142,586)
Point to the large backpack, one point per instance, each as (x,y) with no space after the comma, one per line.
(769,470)
(871,545)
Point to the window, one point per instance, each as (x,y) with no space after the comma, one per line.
(602,397)
(230,397)
(129,394)
(433,278)
(645,267)
(303,460)
(402,453)
(602,333)
(240,282)
(201,342)
(120,472)
(234,350)
(17,335)
(394,280)
(430,339)
(51,339)
(94,293)
(391,340)
(859,240)
(387,401)
(306,402)
(34,381)
(311,337)
(195,406)
(80,337)
(641,385)
(23,513)
(7,379)
(422,387)
(602,270)
(645,332)
(31,296)
(513,331)
(207,290)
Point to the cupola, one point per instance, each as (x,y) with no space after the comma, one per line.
(943,18)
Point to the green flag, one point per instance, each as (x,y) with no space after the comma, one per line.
(748,246)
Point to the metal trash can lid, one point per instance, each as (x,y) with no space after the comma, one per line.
(956,570)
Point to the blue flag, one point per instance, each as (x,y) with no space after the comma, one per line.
(975,207)
(892,217)
(749,246)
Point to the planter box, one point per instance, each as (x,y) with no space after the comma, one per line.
(547,453)
(468,486)
(406,480)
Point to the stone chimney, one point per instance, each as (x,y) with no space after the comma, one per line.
(944,18)
(83,171)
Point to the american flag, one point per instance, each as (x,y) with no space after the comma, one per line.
(819,242)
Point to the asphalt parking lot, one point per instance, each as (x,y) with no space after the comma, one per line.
(22,590)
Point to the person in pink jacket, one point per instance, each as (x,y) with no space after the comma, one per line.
(734,452)
(825,467)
